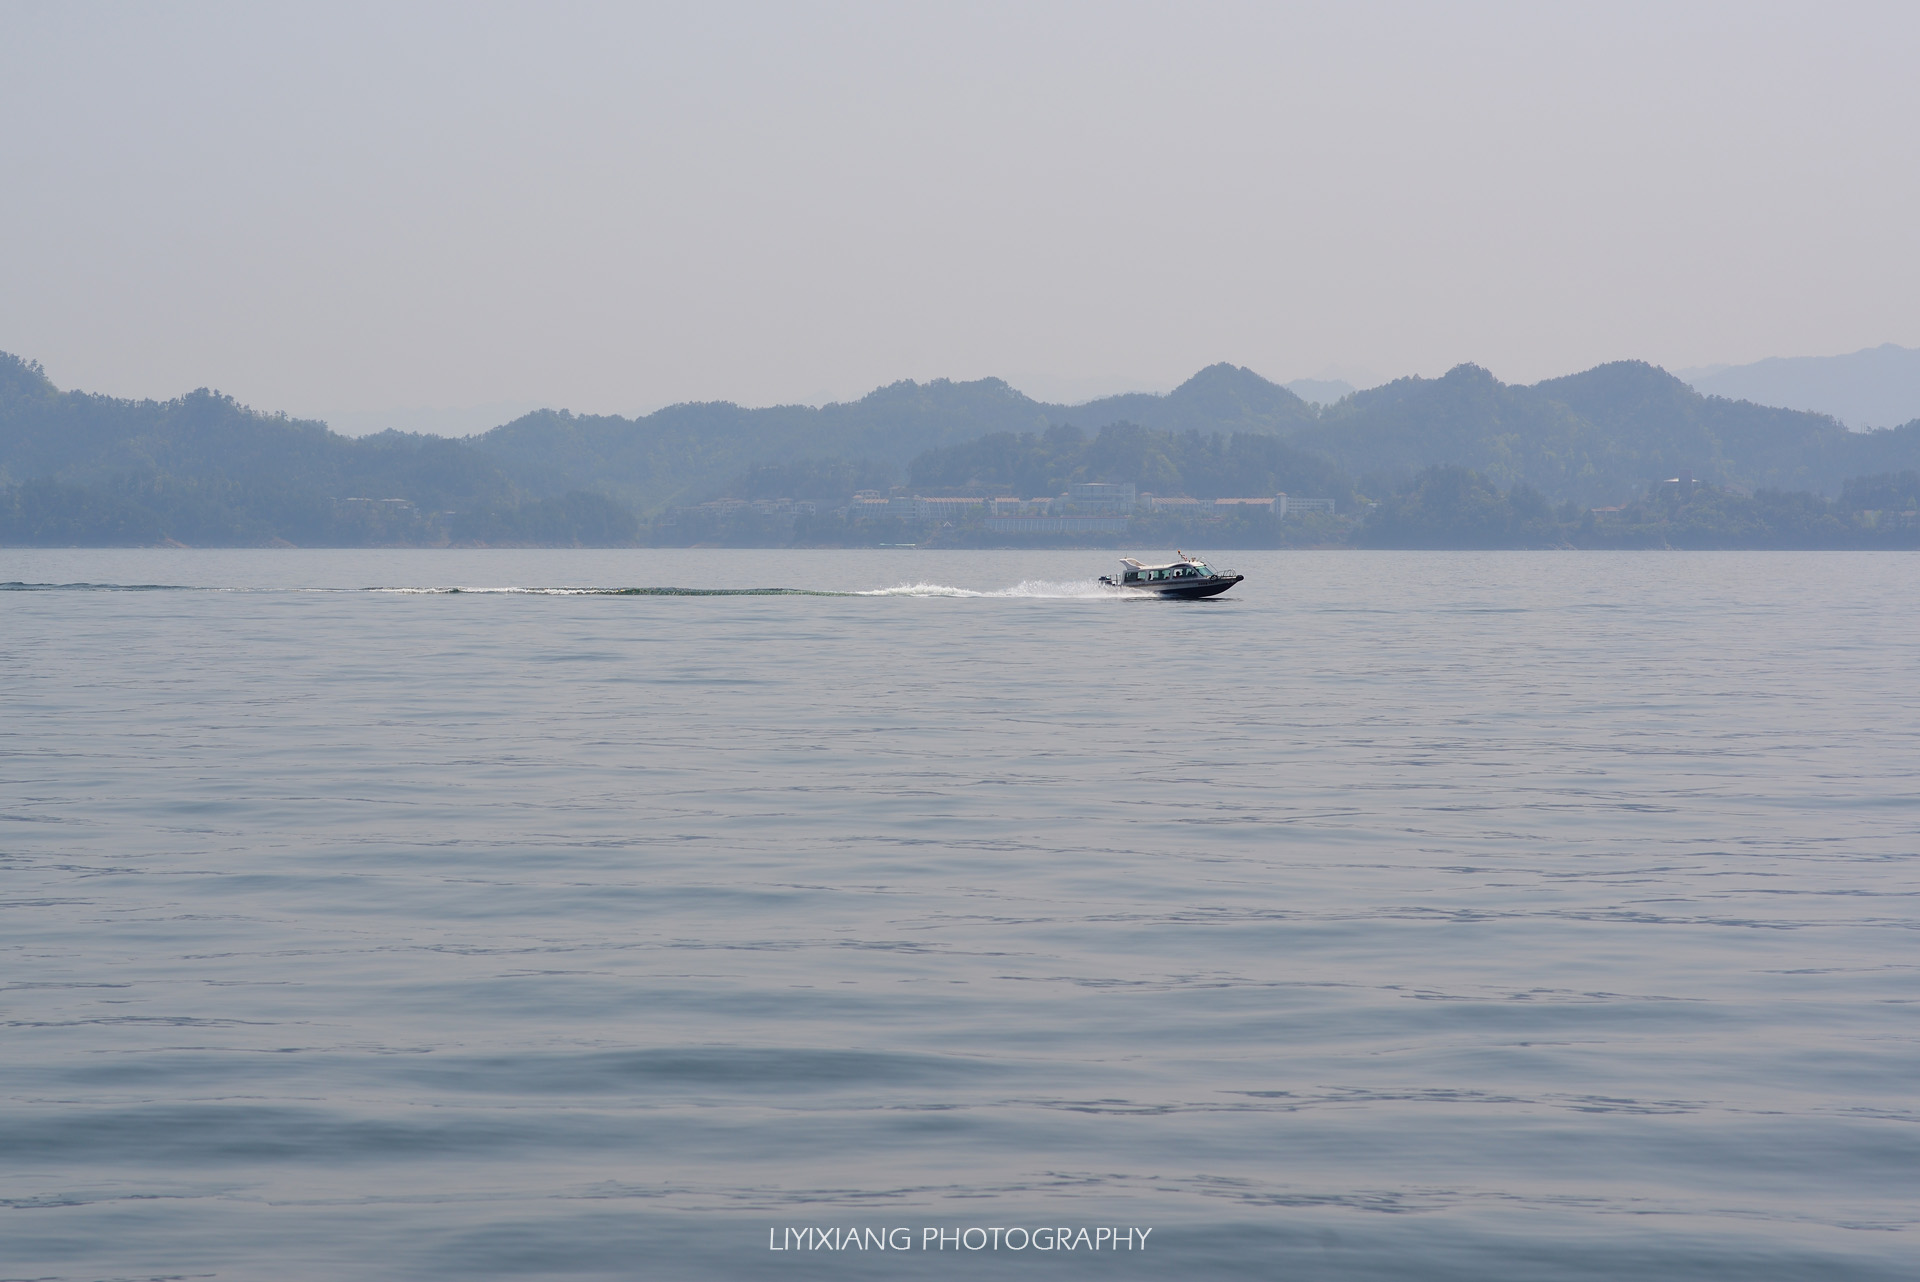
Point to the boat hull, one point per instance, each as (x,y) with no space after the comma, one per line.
(1189,591)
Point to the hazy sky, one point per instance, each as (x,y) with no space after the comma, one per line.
(330,208)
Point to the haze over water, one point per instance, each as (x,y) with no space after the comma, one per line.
(1396,915)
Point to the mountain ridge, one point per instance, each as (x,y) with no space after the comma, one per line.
(1596,437)
(1873,387)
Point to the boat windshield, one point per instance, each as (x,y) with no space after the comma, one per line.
(1184,570)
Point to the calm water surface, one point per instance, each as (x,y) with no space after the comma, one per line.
(1395,916)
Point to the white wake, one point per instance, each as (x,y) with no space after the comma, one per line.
(1039,589)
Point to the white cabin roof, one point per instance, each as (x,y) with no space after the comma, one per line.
(1132,564)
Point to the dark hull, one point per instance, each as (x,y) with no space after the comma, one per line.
(1192,591)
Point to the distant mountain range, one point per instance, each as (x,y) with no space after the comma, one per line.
(1595,437)
(203,469)
(1874,387)
(687,452)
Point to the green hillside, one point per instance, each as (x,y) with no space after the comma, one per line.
(203,469)
(685,453)
(1455,507)
(1220,398)
(1209,465)
(1597,437)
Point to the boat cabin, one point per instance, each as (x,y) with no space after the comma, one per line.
(1138,573)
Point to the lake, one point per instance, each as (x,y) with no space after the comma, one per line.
(1395,915)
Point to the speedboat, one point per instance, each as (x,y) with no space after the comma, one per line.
(1187,578)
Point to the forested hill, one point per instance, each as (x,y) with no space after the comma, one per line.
(1220,398)
(685,451)
(202,468)
(83,439)
(1596,437)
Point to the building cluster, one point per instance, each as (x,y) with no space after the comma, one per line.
(1087,508)
(1091,507)
(1278,506)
